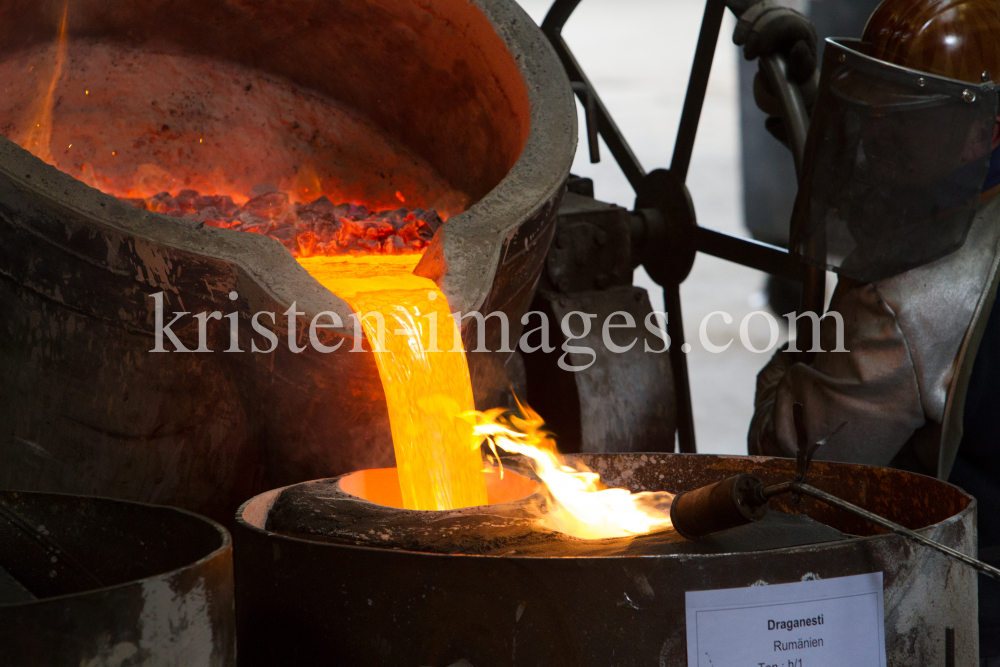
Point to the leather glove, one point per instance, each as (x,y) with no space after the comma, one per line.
(766,28)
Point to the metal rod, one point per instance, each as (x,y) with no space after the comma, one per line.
(771,491)
(745,252)
(590,116)
(559,13)
(613,137)
(701,69)
(552,26)
(834,501)
(678,364)
(813,277)
(813,301)
(793,107)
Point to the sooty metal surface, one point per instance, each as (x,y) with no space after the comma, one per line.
(322,510)
(97,582)
(394,587)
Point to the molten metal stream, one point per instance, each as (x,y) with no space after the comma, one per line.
(424,374)
(436,432)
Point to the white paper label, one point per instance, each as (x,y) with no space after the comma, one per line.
(822,623)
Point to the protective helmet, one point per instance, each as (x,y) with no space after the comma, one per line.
(900,142)
(958,39)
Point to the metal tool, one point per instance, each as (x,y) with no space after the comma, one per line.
(742,499)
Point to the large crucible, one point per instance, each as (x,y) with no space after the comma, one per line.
(459,106)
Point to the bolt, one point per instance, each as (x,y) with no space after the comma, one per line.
(921,82)
(842,58)
(968,96)
(986,76)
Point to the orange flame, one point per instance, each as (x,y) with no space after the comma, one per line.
(581,505)
(40,133)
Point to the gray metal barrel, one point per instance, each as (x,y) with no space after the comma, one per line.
(93,582)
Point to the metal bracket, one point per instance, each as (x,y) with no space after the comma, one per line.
(586,96)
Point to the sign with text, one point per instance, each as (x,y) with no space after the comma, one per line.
(819,623)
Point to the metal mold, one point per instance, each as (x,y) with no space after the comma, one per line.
(305,596)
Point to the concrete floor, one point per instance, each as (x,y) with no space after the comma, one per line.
(638,55)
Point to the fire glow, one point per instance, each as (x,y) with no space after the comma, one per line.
(581,505)
(367,258)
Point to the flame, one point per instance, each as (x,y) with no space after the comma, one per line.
(39,138)
(582,506)
(425,376)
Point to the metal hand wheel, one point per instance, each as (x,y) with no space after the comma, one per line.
(668,237)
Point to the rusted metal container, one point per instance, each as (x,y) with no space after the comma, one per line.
(442,98)
(96,582)
(393,596)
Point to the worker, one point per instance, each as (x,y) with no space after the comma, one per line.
(903,169)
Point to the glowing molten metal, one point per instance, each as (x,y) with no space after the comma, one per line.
(424,374)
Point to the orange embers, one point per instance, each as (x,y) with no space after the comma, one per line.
(424,374)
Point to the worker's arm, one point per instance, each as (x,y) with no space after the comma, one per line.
(873,387)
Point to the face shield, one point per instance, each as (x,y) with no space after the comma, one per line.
(894,166)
